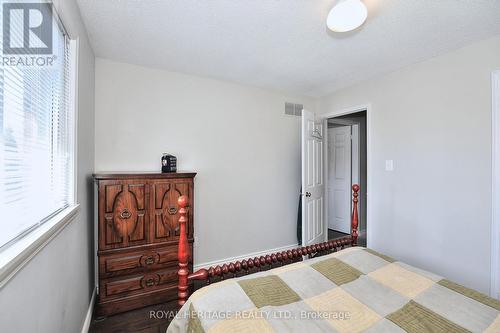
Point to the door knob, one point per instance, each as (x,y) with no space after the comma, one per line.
(308,194)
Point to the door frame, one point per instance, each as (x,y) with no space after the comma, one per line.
(495,186)
(351,169)
(342,112)
(356,162)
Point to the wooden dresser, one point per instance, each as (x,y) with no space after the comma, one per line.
(137,233)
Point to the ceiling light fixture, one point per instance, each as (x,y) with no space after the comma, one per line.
(347,15)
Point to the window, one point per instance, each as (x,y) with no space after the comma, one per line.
(36,139)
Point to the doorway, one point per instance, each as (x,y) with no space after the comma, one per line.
(314,212)
(346,166)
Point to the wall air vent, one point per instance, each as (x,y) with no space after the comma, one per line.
(292,109)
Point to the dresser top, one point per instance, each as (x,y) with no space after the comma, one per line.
(135,175)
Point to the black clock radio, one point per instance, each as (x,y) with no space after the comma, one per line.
(168,163)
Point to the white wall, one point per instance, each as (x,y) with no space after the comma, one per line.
(434,120)
(245,150)
(52,292)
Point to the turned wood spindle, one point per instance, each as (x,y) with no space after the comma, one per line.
(355,190)
(183,252)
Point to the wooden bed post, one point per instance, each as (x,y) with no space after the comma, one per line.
(183,256)
(354,222)
(183,252)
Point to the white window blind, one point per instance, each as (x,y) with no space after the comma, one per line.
(36,141)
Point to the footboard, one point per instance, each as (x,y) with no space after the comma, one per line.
(252,265)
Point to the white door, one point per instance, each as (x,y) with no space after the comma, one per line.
(313,225)
(339,187)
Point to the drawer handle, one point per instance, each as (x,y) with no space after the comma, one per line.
(150,261)
(172,210)
(150,282)
(125,214)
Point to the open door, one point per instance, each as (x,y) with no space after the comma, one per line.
(340,179)
(313,187)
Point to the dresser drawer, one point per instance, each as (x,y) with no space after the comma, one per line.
(137,284)
(137,261)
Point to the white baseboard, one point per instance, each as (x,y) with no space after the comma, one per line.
(88,317)
(245,256)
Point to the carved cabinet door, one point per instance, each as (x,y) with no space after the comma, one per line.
(123,213)
(165,222)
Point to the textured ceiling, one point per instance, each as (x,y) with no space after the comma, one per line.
(282,44)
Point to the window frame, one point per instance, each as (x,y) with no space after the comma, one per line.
(15,254)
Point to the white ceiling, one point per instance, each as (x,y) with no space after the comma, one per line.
(282,44)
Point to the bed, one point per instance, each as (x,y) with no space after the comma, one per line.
(340,288)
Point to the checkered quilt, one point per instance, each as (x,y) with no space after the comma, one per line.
(354,290)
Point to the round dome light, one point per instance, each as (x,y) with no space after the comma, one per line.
(347,15)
